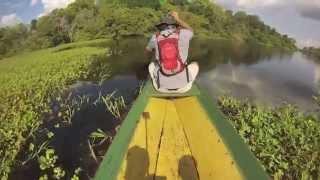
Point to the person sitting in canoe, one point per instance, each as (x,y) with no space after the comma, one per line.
(171,73)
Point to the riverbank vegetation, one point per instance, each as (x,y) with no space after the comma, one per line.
(89,19)
(285,140)
(312,51)
(29,83)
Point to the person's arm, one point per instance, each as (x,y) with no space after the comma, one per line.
(148,53)
(180,21)
(150,48)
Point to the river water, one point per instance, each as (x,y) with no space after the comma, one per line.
(264,76)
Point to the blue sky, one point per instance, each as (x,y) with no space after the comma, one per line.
(13,11)
(299,19)
(23,9)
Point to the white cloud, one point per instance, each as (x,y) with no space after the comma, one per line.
(308,43)
(33,2)
(249,4)
(9,20)
(310,8)
(299,19)
(258,3)
(307,8)
(50,5)
(310,2)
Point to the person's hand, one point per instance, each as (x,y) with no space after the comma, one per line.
(174,14)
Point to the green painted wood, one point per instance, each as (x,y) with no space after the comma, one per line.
(246,161)
(249,166)
(194,91)
(112,161)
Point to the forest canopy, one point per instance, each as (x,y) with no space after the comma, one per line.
(90,19)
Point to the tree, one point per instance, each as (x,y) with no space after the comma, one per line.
(74,8)
(180,2)
(240,16)
(90,19)
(229,13)
(86,25)
(33,25)
(55,26)
(254,22)
(13,39)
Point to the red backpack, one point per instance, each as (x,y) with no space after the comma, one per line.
(170,60)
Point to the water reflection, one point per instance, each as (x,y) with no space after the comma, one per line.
(271,81)
(263,75)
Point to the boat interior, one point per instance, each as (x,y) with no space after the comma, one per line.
(176,139)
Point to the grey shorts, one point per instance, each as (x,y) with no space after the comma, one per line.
(177,83)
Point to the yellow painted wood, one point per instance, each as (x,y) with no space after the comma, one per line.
(175,159)
(140,160)
(212,157)
(136,156)
(188,142)
(155,125)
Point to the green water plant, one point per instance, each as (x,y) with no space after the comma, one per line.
(48,165)
(76,174)
(29,83)
(284,139)
(97,137)
(47,160)
(114,104)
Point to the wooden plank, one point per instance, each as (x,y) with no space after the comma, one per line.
(154,129)
(135,155)
(109,167)
(212,156)
(247,163)
(175,160)
(140,160)
(245,160)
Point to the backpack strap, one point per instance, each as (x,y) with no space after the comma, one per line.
(187,72)
(178,32)
(158,46)
(158,78)
(157,34)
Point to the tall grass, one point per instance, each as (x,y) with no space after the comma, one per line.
(114,104)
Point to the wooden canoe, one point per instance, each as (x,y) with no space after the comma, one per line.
(177,136)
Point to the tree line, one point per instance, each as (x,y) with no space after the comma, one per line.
(312,51)
(92,19)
